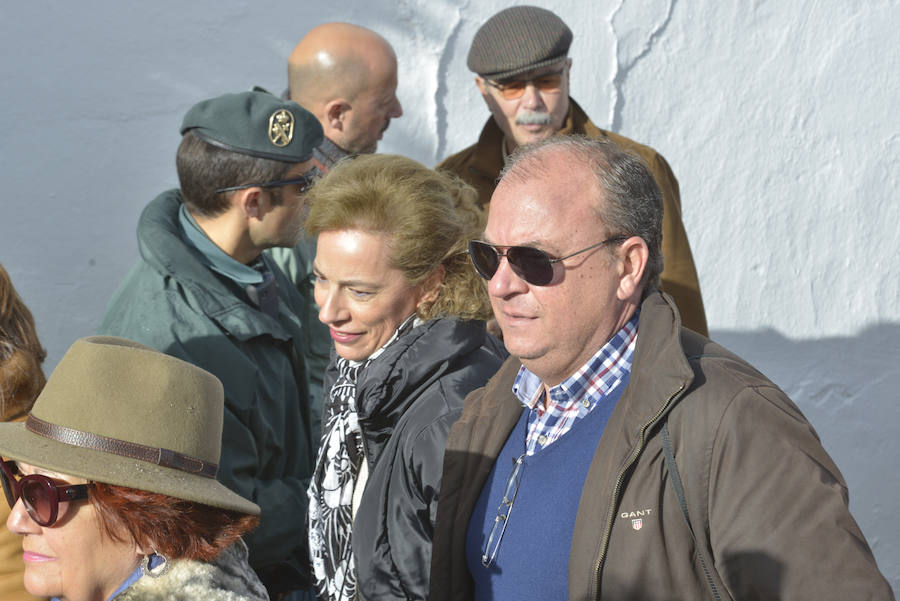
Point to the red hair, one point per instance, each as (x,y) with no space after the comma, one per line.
(174,527)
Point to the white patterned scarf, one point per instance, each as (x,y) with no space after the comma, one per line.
(340,456)
(331,489)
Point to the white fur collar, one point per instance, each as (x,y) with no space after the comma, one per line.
(229,578)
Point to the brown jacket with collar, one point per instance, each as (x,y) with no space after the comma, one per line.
(479,165)
(767,503)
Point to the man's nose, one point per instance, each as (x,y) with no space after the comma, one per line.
(505,282)
(532,99)
(396,109)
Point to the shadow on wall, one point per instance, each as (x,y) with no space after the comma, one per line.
(847,387)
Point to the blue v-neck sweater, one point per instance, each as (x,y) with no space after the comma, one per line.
(532,562)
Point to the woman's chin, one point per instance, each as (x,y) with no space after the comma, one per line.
(350,353)
(38,584)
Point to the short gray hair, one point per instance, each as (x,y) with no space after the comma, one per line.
(630,203)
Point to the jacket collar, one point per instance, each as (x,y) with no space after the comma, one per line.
(488,160)
(327,154)
(393,382)
(660,369)
(660,373)
(162,247)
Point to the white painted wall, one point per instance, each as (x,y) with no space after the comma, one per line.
(780,120)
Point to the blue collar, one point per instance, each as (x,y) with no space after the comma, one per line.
(155,560)
(214,257)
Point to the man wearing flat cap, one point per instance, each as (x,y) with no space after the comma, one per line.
(204,292)
(520,58)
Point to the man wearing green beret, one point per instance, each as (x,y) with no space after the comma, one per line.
(204,292)
(520,57)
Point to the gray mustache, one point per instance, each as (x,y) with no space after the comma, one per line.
(533,118)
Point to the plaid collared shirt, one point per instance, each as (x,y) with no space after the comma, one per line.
(575,397)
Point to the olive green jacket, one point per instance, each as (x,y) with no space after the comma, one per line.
(173,302)
(480,165)
(297,264)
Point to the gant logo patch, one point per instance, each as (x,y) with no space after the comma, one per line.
(637,517)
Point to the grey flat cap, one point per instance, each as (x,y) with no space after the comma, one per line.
(518,39)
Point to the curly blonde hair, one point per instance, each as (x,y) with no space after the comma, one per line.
(21,354)
(428,216)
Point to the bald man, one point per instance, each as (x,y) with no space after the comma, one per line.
(345,75)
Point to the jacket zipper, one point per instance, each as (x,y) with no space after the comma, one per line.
(365,446)
(595,585)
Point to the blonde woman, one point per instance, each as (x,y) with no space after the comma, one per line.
(405,310)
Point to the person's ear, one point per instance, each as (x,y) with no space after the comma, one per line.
(482,86)
(633,255)
(432,286)
(251,202)
(336,113)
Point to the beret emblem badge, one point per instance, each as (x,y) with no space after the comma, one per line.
(281,127)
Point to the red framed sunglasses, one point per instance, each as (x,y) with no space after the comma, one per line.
(40,494)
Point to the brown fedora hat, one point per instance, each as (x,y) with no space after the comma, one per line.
(122,413)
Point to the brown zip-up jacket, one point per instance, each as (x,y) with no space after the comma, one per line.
(479,165)
(767,503)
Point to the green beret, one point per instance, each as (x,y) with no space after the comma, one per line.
(256,123)
(518,39)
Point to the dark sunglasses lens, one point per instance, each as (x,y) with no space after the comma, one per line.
(530,264)
(38,501)
(484,258)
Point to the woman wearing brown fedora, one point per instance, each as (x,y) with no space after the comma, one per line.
(405,311)
(111,480)
(21,379)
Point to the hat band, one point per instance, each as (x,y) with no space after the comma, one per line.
(132,450)
(260,154)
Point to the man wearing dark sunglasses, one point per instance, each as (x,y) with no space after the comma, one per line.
(520,58)
(204,292)
(617,455)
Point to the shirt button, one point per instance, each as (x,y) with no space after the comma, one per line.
(542,440)
(585,403)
